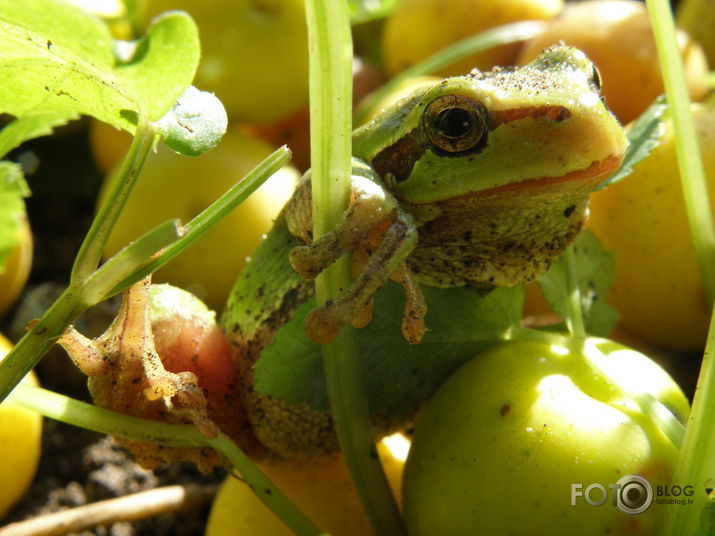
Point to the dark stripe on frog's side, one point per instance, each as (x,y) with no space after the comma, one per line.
(399,159)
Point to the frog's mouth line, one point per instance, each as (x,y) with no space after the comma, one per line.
(597,171)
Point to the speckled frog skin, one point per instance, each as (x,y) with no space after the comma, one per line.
(478,180)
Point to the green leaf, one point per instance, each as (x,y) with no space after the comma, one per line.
(595,268)
(397,376)
(164,63)
(12,207)
(31,126)
(59,59)
(643,136)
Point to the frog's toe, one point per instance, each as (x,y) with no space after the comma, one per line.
(322,326)
(413,327)
(304,263)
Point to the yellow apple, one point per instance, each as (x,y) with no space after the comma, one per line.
(20,442)
(642,219)
(419,28)
(254,54)
(616,35)
(14,274)
(175,186)
(320,487)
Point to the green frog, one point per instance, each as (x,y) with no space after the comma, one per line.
(479,180)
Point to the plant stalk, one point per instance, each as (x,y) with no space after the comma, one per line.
(574,321)
(330,122)
(76,413)
(690,164)
(90,253)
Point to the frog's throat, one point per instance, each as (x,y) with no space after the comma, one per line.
(587,178)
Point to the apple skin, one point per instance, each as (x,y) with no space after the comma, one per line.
(504,438)
(321,487)
(617,36)
(657,287)
(20,443)
(16,271)
(254,54)
(416,29)
(174,186)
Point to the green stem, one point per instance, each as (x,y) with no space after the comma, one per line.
(574,321)
(501,35)
(330,97)
(350,408)
(103,284)
(690,163)
(130,259)
(38,340)
(90,253)
(210,216)
(262,486)
(42,336)
(696,463)
(76,413)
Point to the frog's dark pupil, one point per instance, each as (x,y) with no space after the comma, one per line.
(454,122)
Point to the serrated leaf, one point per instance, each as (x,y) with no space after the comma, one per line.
(397,376)
(595,268)
(57,58)
(12,207)
(643,136)
(31,126)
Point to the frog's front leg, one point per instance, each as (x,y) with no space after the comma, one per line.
(374,221)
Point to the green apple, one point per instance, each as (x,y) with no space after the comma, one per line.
(527,439)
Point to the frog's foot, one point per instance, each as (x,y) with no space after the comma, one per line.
(324,323)
(361,218)
(126,373)
(413,319)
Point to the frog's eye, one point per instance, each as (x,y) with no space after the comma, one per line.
(456,124)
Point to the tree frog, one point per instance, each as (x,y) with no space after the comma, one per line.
(478,180)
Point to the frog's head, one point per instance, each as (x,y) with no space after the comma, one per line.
(511,129)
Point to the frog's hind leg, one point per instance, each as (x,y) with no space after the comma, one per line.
(324,323)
